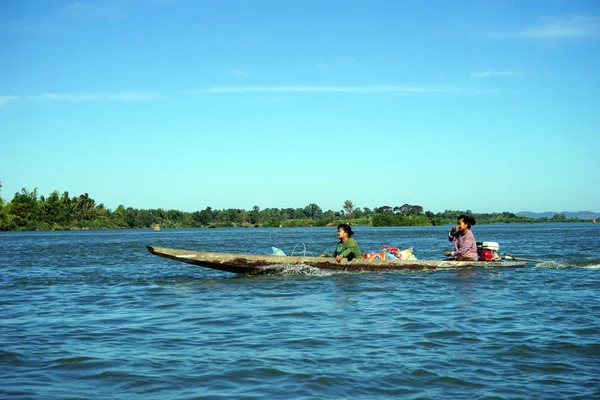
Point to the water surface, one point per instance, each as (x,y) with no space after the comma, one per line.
(91,314)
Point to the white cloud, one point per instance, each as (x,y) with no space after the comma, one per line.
(493,74)
(4,100)
(217,90)
(564,27)
(555,27)
(119,96)
(325,89)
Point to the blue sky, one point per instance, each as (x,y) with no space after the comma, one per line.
(487,106)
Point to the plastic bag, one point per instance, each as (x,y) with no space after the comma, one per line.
(277,252)
(396,253)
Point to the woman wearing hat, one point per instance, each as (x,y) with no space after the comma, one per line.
(347,246)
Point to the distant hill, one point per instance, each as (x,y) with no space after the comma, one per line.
(568,214)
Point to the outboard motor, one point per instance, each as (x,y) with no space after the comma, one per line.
(488,251)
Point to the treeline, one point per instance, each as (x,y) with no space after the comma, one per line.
(30,211)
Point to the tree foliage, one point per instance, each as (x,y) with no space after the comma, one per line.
(29,211)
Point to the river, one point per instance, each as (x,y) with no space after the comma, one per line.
(93,315)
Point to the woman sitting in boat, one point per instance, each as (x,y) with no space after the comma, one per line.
(465,247)
(347,246)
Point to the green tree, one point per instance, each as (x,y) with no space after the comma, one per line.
(84,208)
(204,217)
(131,217)
(408,209)
(286,213)
(270,217)
(229,215)
(65,216)
(382,209)
(349,208)
(313,211)
(52,209)
(102,215)
(254,215)
(383,218)
(119,217)
(560,217)
(175,217)
(4,226)
(25,209)
(145,218)
(357,212)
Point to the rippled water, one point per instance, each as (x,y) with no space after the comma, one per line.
(94,315)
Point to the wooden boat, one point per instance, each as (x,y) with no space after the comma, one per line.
(260,264)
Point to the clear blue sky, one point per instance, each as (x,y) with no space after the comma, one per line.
(486,106)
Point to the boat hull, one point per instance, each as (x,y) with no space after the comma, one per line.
(260,264)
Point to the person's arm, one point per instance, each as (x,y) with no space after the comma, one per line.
(333,253)
(467,245)
(452,234)
(351,247)
(328,254)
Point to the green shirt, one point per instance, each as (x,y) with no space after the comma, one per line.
(351,246)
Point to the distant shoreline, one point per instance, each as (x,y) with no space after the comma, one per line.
(85,229)
(28,211)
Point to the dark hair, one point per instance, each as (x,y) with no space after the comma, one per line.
(467,219)
(347,228)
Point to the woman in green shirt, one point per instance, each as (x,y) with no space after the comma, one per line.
(347,246)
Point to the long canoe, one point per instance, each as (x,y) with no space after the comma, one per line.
(260,264)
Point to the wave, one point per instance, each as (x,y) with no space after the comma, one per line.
(589,263)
